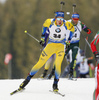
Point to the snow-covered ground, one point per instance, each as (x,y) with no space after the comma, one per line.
(82,89)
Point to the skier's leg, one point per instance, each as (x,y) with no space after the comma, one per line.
(58,61)
(45,55)
(66,71)
(73,63)
(47,65)
(52,73)
(77,70)
(53,69)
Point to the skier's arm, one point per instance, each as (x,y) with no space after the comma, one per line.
(85,28)
(44,35)
(46,25)
(93,46)
(94,43)
(70,26)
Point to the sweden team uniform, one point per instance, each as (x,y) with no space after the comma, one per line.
(56,45)
(58,32)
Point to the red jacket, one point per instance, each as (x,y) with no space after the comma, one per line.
(94,43)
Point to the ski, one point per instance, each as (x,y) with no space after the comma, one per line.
(43,79)
(17,90)
(57,93)
(73,79)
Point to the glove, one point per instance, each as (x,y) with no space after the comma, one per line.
(88,31)
(42,41)
(96,56)
(67,44)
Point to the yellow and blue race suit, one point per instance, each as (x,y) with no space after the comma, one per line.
(58,35)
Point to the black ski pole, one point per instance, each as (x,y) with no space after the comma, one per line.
(62,3)
(74,5)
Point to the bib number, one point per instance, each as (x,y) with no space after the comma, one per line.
(75,35)
(56,35)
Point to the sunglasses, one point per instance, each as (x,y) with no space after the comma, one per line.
(75,18)
(60,19)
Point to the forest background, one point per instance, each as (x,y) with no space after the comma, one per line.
(19,15)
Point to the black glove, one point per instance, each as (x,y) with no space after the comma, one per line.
(96,56)
(42,41)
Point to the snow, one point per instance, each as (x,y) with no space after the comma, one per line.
(82,89)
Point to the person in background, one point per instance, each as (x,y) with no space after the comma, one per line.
(74,43)
(84,67)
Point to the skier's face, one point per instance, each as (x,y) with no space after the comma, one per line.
(59,20)
(75,20)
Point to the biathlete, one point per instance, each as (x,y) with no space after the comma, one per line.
(93,44)
(58,30)
(74,43)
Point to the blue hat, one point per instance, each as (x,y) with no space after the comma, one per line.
(59,14)
(75,15)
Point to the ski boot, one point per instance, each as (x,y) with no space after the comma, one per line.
(25,82)
(70,76)
(55,88)
(44,74)
(55,85)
